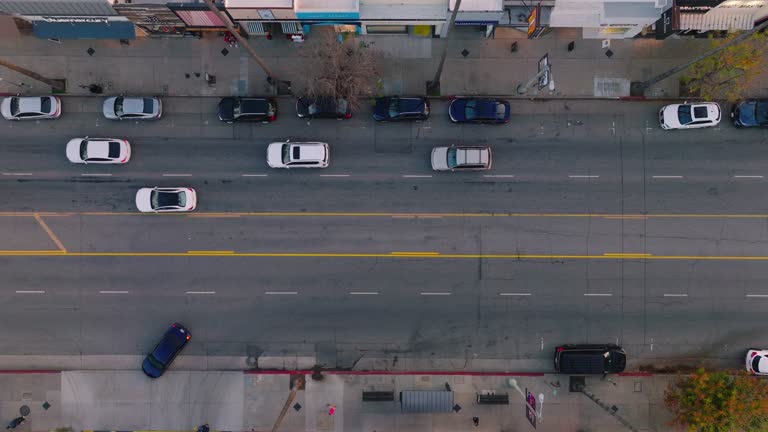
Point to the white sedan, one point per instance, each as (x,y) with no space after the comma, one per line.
(31,108)
(298,155)
(98,150)
(157,199)
(132,108)
(689,115)
(757,362)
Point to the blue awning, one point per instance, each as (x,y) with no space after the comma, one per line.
(84,30)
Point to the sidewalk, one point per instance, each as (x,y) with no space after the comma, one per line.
(235,401)
(177,66)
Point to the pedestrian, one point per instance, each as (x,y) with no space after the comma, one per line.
(476,421)
(331,409)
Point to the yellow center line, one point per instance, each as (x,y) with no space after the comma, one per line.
(627,254)
(211,252)
(50,233)
(415,253)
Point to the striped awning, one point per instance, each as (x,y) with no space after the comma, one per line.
(716,21)
(291,27)
(255,28)
(200,18)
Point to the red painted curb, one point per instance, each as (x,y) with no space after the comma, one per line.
(346,372)
(630,374)
(28,371)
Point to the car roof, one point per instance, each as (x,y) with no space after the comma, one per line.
(411,104)
(254,105)
(98,148)
(486,108)
(133,105)
(30,104)
(472,155)
(173,340)
(309,152)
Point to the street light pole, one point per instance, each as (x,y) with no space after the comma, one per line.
(523,88)
(434,85)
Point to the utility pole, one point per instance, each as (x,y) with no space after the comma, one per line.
(55,84)
(638,88)
(298,384)
(271,77)
(434,85)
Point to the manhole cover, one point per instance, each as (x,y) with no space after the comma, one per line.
(91,51)
(24,410)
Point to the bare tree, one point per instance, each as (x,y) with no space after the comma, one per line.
(346,69)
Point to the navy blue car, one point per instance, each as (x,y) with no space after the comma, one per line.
(173,341)
(479,111)
(750,113)
(397,108)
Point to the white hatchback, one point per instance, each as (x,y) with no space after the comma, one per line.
(31,108)
(98,150)
(757,362)
(132,108)
(689,115)
(298,155)
(157,199)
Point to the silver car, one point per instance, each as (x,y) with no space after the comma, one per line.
(133,108)
(31,108)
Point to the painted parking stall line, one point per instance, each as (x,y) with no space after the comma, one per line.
(177,175)
(30,292)
(96,175)
(281,293)
(363,293)
(200,292)
(17,174)
(254,175)
(113,292)
(575,176)
(667,176)
(515,294)
(416,176)
(435,294)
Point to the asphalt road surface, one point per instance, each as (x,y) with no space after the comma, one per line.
(593,226)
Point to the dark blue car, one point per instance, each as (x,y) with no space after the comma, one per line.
(479,111)
(173,341)
(397,108)
(750,113)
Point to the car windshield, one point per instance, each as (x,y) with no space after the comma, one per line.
(684,114)
(286,153)
(501,111)
(236,107)
(119,106)
(45,105)
(314,108)
(114,150)
(469,110)
(452,158)
(394,107)
(14,106)
(148,105)
(756,363)
(167,199)
(168,347)
(761,113)
(341,106)
(84,149)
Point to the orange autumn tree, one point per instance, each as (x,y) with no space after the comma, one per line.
(718,401)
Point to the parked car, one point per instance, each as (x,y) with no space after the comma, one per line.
(31,107)
(98,150)
(479,111)
(133,108)
(461,158)
(396,108)
(159,199)
(757,361)
(750,113)
(689,115)
(585,359)
(323,107)
(160,358)
(237,109)
(298,155)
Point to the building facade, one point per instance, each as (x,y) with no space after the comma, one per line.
(608,19)
(75,19)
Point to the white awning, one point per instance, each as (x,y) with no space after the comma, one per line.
(291,27)
(709,21)
(255,28)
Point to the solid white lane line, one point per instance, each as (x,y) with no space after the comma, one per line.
(597,294)
(500,176)
(113,292)
(200,292)
(514,294)
(667,176)
(30,292)
(748,176)
(281,293)
(757,295)
(675,295)
(255,175)
(417,176)
(17,174)
(177,175)
(435,293)
(95,175)
(584,176)
(334,175)
(363,293)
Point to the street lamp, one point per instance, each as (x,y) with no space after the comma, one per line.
(543,77)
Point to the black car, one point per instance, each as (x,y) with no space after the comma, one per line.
(479,111)
(173,341)
(583,359)
(235,109)
(750,113)
(323,107)
(397,108)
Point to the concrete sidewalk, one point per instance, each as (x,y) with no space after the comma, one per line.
(234,401)
(475,65)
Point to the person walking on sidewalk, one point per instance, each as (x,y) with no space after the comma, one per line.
(476,421)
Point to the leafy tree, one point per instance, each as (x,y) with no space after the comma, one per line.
(341,68)
(729,73)
(718,402)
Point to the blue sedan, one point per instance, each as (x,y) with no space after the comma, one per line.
(167,349)
(479,111)
(750,113)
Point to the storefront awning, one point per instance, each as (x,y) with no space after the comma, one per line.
(255,28)
(200,18)
(710,21)
(291,27)
(84,30)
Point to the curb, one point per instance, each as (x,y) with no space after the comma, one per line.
(29,371)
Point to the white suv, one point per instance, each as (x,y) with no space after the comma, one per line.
(297,155)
